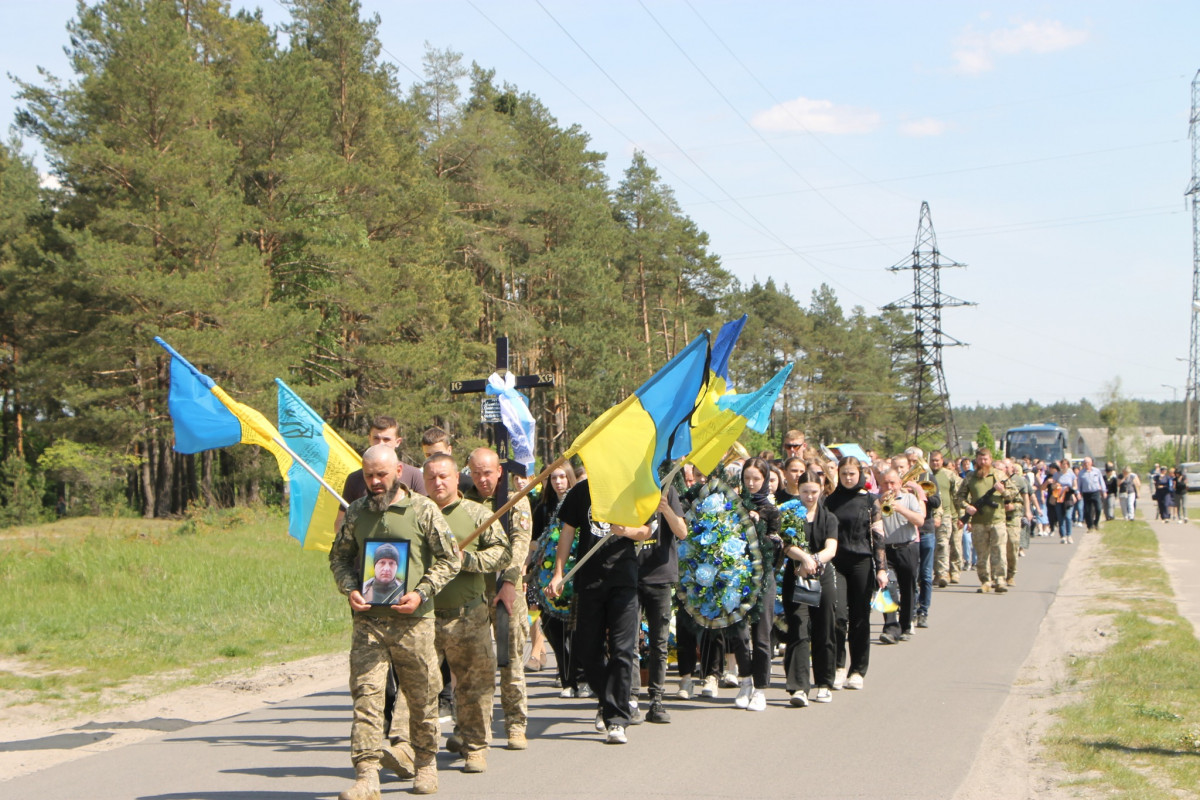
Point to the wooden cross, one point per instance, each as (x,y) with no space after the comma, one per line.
(499,432)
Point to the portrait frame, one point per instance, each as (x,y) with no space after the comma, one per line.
(367,585)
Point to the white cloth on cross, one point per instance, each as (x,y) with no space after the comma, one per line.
(514,413)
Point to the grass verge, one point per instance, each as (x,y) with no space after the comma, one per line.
(1136,732)
(90,604)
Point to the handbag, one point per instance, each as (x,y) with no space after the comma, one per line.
(807,591)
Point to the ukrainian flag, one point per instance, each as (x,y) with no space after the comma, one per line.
(736,412)
(718,371)
(206,418)
(313,508)
(624,446)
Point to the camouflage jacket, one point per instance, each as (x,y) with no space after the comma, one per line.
(412,517)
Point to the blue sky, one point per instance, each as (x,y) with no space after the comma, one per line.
(1050,140)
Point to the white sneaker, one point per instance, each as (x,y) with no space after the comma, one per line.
(710,687)
(800,699)
(729,681)
(600,725)
(758,701)
(823,695)
(745,689)
(584,691)
(839,679)
(855,681)
(687,687)
(616,735)
(567,692)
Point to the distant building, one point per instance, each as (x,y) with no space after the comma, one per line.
(1133,444)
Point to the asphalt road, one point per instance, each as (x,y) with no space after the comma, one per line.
(912,732)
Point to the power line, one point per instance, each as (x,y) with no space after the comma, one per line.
(747,123)
(804,128)
(959,171)
(764,229)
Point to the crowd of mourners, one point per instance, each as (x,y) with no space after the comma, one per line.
(836,539)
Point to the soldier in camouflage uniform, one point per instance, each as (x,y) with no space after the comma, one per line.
(464,634)
(1016,511)
(401,635)
(982,496)
(948,550)
(508,588)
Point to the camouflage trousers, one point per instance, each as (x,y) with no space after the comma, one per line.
(948,549)
(1012,551)
(464,637)
(407,644)
(991,544)
(512,677)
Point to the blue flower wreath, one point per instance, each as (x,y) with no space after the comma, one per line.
(792,517)
(558,607)
(720,563)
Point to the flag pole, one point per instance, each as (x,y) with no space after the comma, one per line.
(279,441)
(666,487)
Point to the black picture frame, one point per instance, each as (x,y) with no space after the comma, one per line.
(370,590)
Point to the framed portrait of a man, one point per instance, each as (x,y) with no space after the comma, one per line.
(385,571)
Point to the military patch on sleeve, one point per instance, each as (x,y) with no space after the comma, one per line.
(524,520)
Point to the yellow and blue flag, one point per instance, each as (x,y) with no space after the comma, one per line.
(718,371)
(205,417)
(313,507)
(623,448)
(736,412)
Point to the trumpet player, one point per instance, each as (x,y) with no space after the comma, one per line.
(903,509)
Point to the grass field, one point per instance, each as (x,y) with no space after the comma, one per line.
(1136,733)
(87,604)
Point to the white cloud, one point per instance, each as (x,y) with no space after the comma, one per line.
(976,52)
(815,116)
(923,127)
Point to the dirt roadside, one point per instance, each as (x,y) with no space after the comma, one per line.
(32,739)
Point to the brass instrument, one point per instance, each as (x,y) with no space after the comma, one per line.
(887,504)
(919,468)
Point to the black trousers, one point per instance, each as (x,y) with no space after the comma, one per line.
(655,602)
(855,585)
(570,671)
(608,616)
(1091,510)
(809,636)
(905,559)
(751,640)
(691,641)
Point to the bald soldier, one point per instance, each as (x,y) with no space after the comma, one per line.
(399,636)
(464,631)
(508,589)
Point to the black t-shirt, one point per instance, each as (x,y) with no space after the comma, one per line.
(616,564)
(782,496)
(854,510)
(356,486)
(658,561)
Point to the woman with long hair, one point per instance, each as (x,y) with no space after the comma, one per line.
(545,517)
(751,638)
(861,566)
(809,636)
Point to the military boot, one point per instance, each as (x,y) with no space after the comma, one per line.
(426,781)
(367,785)
(399,759)
(476,761)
